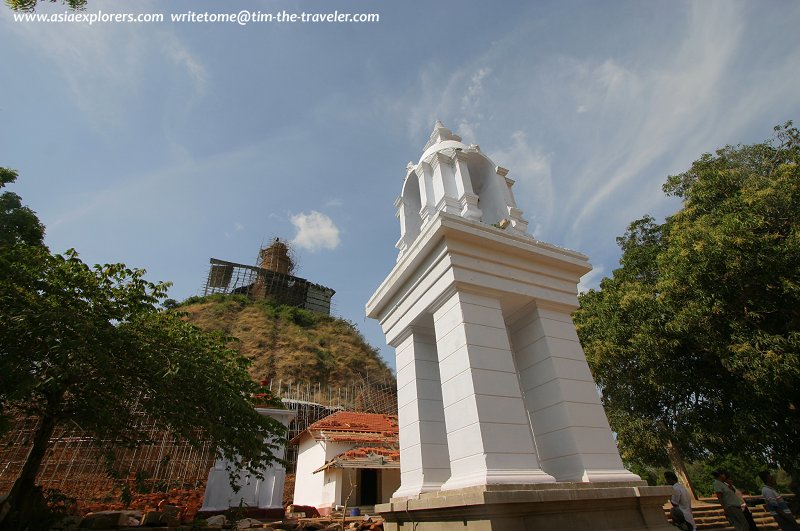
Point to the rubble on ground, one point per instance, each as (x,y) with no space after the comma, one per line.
(172,518)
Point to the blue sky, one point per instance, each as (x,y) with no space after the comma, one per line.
(163,144)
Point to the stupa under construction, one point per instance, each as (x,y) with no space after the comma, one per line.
(272,278)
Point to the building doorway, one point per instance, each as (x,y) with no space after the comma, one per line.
(368,486)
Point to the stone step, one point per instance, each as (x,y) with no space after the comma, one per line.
(726,525)
(708,517)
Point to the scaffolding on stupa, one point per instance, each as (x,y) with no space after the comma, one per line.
(272,278)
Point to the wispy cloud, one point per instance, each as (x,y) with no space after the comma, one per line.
(472,96)
(315,231)
(455,98)
(181,56)
(590,133)
(530,168)
(104,66)
(471,114)
(662,111)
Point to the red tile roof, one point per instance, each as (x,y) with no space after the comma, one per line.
(365,457)
(349,426)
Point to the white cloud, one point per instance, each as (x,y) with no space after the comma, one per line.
(467,131)
(315,231)
(471,99)
(616,81)
(591,280)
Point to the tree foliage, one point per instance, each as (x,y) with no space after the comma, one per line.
(18,223)
(30,5)
(90,347)
(695,339)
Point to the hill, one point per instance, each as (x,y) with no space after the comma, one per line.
(289,344)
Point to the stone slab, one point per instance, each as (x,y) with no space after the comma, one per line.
(621,506)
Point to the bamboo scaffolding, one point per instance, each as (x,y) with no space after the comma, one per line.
(75,463)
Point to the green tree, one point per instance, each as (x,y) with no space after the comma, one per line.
(653,401)
(695,339)
(18,224)
(90,347)
(30,5)
(734,284)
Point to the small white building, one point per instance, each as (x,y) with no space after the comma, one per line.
(256,494)
(347,457)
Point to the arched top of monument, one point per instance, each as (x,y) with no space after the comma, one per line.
(458,179)
(443,139)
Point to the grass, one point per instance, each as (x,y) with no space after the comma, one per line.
(287,343)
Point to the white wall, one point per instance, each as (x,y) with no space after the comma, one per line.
(323,489)
(307,485)
(264,493)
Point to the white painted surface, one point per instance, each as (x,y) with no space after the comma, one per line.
(322,489)
(465,321)
(308,487)
(264,493)
(516,391)
(424,462)
(561,395)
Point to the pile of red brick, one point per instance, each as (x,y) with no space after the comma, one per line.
(190,499)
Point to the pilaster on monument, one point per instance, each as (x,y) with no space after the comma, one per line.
(406,236)
(488,431)
(572,433)
(514,214)
(424,463)
(424,174)
(467,198)
(444,184)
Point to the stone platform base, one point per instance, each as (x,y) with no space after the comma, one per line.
(629,506)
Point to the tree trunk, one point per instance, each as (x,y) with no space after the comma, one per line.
(22,493)
(679,467)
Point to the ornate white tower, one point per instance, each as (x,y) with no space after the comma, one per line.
(493,386)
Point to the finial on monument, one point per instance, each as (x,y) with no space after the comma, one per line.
(441,134)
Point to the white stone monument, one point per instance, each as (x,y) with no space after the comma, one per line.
(494,392)
(260,496)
